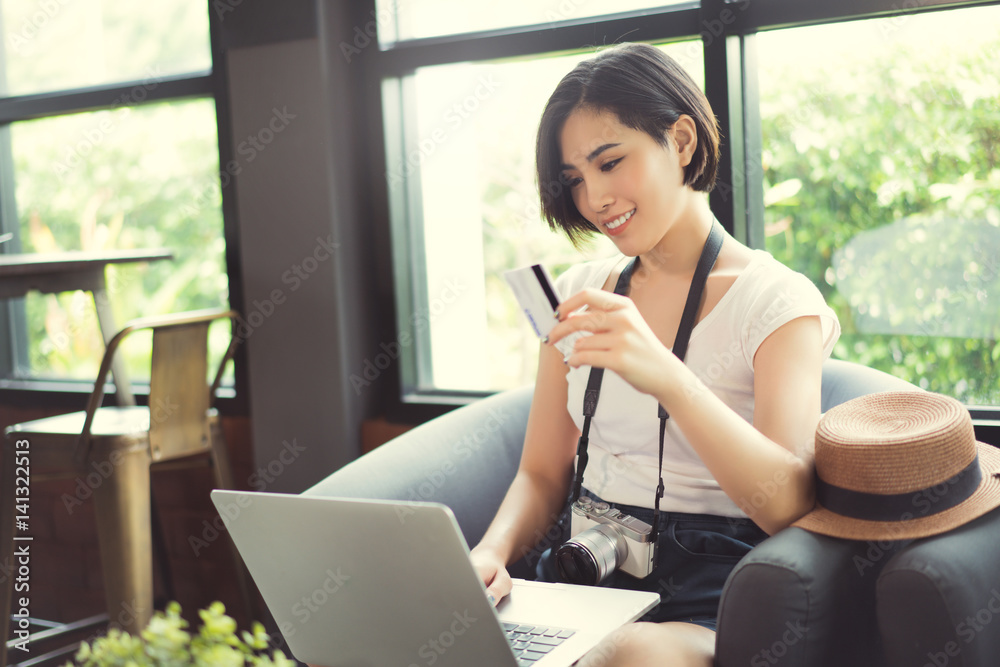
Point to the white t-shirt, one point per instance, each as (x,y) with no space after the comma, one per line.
(624,433)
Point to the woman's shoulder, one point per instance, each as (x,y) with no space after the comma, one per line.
(593,273)
(764,269)
(773,294)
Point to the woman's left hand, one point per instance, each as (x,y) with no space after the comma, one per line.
(621,340)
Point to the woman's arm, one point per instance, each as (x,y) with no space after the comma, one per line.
(766,469)
(761,467)
(538,492)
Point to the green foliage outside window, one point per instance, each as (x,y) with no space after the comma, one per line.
(907,144)
(131,178)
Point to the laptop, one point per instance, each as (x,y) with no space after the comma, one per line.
(374,583)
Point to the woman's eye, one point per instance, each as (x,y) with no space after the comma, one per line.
(571,181)
(608,166)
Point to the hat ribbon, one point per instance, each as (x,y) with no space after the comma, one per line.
(900,506)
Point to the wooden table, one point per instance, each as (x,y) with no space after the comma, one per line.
(70,271)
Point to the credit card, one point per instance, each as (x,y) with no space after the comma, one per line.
(537,295)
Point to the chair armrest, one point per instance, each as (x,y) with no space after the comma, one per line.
(465,459)
(799,600)
(844,380)
(939,599)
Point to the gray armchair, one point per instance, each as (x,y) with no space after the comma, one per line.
(798,599)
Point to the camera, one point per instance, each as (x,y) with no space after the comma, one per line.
(604,539)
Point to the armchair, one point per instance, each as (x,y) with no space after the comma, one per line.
(796,599)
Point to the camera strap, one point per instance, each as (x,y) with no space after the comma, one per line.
(709,254)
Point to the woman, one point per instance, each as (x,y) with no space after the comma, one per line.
(628,147)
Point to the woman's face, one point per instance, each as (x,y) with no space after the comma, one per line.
(623,182)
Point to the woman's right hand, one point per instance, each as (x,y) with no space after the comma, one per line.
(493,572)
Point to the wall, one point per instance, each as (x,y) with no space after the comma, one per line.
(299,196)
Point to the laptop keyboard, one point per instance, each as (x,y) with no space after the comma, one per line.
(532,642)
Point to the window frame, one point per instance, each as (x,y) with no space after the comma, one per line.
(730,64)
(198,84)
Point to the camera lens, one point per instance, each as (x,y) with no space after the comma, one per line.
(591,556)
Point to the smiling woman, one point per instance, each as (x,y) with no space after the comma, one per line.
(594,109)
(715,347)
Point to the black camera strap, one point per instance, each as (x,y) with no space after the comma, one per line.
(709,253)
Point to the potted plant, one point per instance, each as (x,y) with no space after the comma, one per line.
(166,643)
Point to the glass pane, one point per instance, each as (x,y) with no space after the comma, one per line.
(882,183)
(474,155)
(60,44)
(415,19)
(146,177)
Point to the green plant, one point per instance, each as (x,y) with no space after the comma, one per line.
(165,643)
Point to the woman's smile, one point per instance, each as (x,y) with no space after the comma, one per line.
(615,226)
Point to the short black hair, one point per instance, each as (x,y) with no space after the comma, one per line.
(646,90)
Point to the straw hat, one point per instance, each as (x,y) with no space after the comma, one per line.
(900,465)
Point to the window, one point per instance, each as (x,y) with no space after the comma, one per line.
(483,218)
(881,163)
(65,44)
(139,172)
(401,20)
(860,148)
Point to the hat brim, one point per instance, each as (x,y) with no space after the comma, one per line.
(985,498)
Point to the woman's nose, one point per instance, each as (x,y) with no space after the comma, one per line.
(599,197)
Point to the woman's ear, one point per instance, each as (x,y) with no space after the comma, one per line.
(685,134)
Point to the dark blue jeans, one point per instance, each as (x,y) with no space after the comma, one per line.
(695,554)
